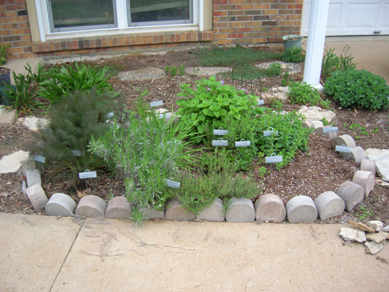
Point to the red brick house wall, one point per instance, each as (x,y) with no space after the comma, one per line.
(255,21)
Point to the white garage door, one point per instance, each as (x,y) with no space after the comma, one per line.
(352,17)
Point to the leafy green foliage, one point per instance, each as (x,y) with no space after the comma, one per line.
(302,93)
(332,63)
(358,88)
(285,80)
(73,121)
(217,56)
(3,53)
(167,69)
(211,103)
(181,70)
(70,78)
(295,55)
(37,76)
(137,216)
(173,71)
(148,151)
(22,96)
(274,69)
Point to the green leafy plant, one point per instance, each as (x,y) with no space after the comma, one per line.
(365,213)
(36,76)
(72,123)
(302,93)
(3,53)
(358,88)
(22,96)
(167,69)
(146,152)
(274,69)
(276,104)
(332,63)
(181,70)
(285,80)
(69,78)
(211,103)
(173,71)
(295,55)
(325,122)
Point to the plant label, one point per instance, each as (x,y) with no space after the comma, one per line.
(343,148)
(243,144)
(156,103)
(220,132)
(166,116)
(261,102)
(87,174)
(173,143)
(77,152)
(109,115)
(39,158)
(219,142)
(270,132)
(273,159)
(172,184)
(330,130)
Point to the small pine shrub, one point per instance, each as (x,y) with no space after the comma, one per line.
(358,88)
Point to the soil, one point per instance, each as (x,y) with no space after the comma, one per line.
(312,173)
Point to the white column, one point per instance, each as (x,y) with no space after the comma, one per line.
(315,45)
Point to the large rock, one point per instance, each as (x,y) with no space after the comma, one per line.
(91,206)
(315,113)
(7,118)
(12,163)
(240,210)
(329,205)
(376,225)
(351,193)
(269,208)
(376,237)
(34,124)
(381,158)
(60,205)
(301,209)
(373,247)
(37,197)
(175,211)
(361,226)
(214,212)
(351,234)
(119,208)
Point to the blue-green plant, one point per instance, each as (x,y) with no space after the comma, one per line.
(358,88)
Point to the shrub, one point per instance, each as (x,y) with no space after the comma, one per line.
(358,88)
(70,78)
(72,123)
(211,103)
(332,63)
(147,152)
(295,55)
(274,69)
(302,93)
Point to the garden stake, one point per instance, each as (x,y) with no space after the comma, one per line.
(87,174)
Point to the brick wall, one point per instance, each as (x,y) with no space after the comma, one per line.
(15,29)
(255,21)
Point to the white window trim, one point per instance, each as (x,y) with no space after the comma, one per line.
(46,34)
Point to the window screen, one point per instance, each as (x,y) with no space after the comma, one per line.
(149,12)
(81,14)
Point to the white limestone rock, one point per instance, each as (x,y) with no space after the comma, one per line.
(376,225)
(34,124)
(381,157)
(12,163)
(315,113)
(373,247)
(351,234)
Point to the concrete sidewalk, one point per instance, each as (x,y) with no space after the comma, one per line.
(41,253)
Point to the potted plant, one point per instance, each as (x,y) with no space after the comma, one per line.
(292,41)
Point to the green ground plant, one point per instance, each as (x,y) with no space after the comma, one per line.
(69,78)
(35,76)
(332,63)
(294,55)
(3,54)
(181,70)
(302,93)
(173,71)
(274,70)
(358,88)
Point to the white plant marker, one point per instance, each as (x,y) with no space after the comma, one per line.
(273,158)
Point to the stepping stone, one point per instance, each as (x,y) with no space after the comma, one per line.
(368,165)
(91,206)
(142,74)
(151,213)
(60,205)
(240,210)
(268,208)
(373,247)
(301,209)
(376,225)
(351,234)
(33,177)
(365,179)
(12,163)
(308,124)
(320,131)
(351,193)
(175,211)
(381,158)
(345,140)
(214,212)
(37,197)
(7,118)
(206,71)
(119,208)
(329,205)
(315,113)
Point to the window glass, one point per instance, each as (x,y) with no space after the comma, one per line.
(81,14)
(144,12)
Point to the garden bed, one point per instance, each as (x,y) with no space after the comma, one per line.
(321,170)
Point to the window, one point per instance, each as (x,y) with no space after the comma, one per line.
(68,15)
(87,15)
(157,12)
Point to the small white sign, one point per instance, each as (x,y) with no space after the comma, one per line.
(109,115)
(87,174)
(220,132)
(343,148)
(330,129)
(166,116)
(77,152)
(261,102)
(273,159)
(219,142)
(156,103)
(39,158)
(172,184)
(243,144)
(270,133)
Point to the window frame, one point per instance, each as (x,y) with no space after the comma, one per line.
(122,27)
